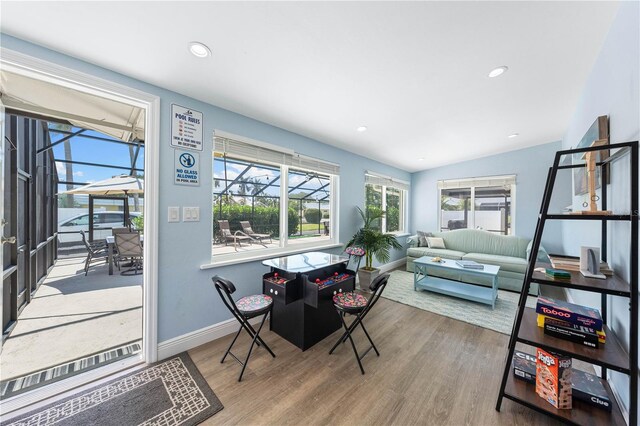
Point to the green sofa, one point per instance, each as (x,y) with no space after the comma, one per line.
(507,251)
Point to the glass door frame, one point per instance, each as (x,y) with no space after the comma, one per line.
(42,70)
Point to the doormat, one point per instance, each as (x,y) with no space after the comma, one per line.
(400,289)
(170,392)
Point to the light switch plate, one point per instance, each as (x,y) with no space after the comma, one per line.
(191,214)
(174,214)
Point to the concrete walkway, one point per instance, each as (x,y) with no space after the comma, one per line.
(72,316)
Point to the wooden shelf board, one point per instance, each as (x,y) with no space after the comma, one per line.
(610,355)
(590,217)
(581,413)
(611,285)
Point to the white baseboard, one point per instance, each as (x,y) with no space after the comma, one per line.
(199,337)
(393,265)
(616,395)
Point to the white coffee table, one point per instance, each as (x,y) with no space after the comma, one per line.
(423,281)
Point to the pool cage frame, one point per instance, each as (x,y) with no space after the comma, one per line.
(226,192)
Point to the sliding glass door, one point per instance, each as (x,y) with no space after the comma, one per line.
(477,203)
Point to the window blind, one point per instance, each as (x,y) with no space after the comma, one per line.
(506,180)
(262,153)
(374,179)
(308,163)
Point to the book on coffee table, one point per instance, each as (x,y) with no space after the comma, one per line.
(469,264)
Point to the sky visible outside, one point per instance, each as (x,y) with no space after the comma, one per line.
(262,175)
(92,151)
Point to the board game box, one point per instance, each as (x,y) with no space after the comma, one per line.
(589,388)
(571,332)
(602,337)
(586,387)
(553,378)
(524,366)
(565,311)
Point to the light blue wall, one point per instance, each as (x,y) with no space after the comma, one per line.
(530,165)
(613,89)
(186,299)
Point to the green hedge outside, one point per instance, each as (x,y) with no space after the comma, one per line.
(313,215)
(393,219)
(392,215)
(264,220)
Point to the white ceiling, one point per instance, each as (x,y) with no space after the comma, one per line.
(414,73)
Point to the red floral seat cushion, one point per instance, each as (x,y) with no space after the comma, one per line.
(254,303)
(350,300)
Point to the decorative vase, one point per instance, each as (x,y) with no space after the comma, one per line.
(365,278)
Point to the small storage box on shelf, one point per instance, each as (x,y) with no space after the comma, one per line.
(341,280)
(612,354)
(282,286)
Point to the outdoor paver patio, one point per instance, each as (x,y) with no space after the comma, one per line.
(72,316)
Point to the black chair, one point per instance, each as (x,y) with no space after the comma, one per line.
(353,303)
(95,251)
(244,309)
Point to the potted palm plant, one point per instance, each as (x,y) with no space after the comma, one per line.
(375,244)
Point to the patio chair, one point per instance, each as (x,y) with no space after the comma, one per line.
(247,229)
(237,237)
(326,224)
(129,246)
(116,255)
(95,251)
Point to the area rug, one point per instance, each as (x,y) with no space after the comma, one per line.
(400,289)
(170,392)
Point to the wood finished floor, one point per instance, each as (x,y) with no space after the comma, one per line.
(432,370)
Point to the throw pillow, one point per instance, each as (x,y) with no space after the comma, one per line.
(435,242)
(422,238)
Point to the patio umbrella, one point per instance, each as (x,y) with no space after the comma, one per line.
(117,185)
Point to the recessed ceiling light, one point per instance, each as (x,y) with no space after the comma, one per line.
(198,49)
(514,135)
(421,159)
(362,128)
(498,71)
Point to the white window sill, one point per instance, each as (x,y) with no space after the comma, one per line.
(269,255)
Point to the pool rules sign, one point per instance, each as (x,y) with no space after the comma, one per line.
(186,128)
(187,168)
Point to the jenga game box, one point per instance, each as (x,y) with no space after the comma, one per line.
(553,378)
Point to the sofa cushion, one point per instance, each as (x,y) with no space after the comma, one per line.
(508,263)
(478,241)
(436,243)
(426,251)
(422,238)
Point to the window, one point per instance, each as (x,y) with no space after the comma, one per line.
(269,200)
(389,195)
(478,203)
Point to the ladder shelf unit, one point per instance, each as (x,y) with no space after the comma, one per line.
(612,355)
